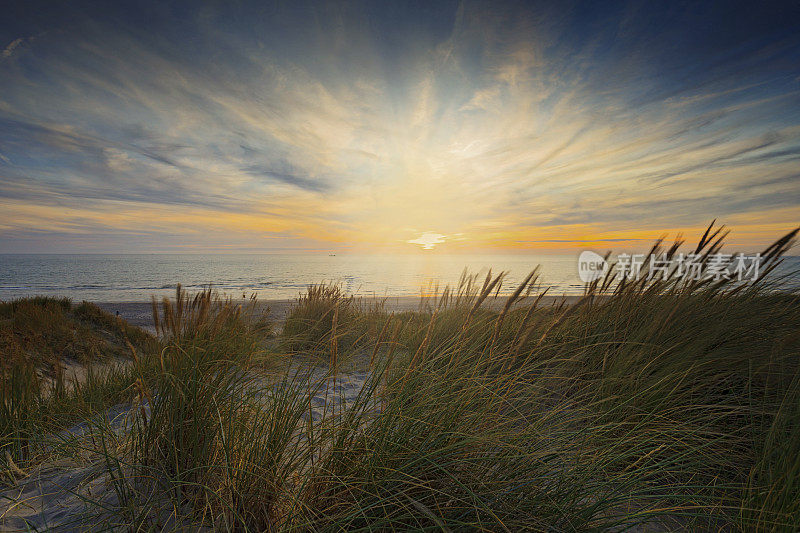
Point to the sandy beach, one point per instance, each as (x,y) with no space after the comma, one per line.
(140,314)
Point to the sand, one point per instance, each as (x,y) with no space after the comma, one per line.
(70,492)
(75,493)
(140,313)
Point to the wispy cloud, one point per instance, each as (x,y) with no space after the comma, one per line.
(511,126)
(8,50)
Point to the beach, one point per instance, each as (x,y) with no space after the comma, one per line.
(332,266)
(337,404)
(140,314)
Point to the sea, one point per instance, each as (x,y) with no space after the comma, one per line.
(137,277)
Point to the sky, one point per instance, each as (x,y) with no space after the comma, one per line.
(419,127)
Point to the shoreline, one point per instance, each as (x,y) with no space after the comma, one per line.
(140,313)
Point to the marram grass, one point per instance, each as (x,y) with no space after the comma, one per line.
(652,404)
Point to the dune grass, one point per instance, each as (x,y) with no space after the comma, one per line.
(40,339)
(670,403)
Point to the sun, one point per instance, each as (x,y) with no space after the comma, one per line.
(428,240)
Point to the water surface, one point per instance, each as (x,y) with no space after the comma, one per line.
(121,278)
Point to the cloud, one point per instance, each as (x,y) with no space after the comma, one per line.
(508,125)
(304,182)
(584,240)
(8,50)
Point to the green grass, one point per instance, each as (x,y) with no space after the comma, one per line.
(325,320)
(659,401)
(37,337)
(46,331)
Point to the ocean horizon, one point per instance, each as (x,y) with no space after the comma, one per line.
(137,277)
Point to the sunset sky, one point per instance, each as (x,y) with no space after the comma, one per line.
(454,126)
